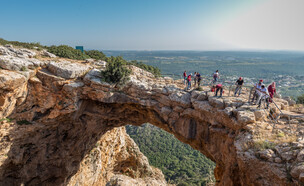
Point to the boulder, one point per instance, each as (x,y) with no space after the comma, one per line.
(68,70)
(245,117)
(266,154)
(260,115)
(216,102)
(291,102)
(300,156)
(17,63)
(297,171)
(100,63)
(48,54)
(10,80)
(22,53)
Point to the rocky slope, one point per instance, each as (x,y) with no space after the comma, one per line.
(62,109)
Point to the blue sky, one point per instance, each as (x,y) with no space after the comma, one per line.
(152,24)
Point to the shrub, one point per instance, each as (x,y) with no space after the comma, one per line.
(23,122)
(22,44)
(66,51)
(95,54)
(7,119)
(263,144)
(23,68)
(300,99)
(199,88)
(116,71)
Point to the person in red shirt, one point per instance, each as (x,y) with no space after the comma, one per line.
(189,81)
(272,90)
(219,87)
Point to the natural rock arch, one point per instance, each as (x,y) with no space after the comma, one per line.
(69,116)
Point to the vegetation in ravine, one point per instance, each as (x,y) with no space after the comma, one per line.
(180,164)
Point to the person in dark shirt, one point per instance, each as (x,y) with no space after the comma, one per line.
(185,77)
(239,83)
(198,77)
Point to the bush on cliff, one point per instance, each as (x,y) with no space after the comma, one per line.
(116,71)
(95,54)
(300,99)
(66,51)
(22,44)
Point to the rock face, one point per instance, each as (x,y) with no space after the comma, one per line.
(116,160)
(65,114)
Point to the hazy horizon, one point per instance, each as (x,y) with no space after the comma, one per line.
(198,25)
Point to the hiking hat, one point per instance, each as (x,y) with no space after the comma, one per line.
(261,80)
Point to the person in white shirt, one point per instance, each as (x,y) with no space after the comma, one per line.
(257,89)
(263,94)
(216,76)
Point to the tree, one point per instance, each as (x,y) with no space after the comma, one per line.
(116,71)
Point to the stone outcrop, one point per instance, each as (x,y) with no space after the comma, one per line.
(62,117)
(116,160)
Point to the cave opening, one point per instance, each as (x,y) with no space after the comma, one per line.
(179,162)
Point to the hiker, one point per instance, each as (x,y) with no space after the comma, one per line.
(199,78)
(263,94)
(195,79)
(272,90)
(185,77)
(218,87)
(239,83)
(257,88)
(189,81)
(216,76)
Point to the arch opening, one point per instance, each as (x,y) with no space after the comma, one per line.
(53,150)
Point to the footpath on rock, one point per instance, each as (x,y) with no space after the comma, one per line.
(54,111)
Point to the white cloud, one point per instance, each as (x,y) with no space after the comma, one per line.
(274,24)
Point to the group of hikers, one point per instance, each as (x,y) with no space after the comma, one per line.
(187,79)
(260,91)
(197,78)
(263,93)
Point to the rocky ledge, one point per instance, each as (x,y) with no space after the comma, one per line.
(61,110)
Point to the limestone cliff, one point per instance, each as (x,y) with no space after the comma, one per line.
(62,109)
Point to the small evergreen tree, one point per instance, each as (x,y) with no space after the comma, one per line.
(116,71)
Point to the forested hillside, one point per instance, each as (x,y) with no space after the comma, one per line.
(180,164)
